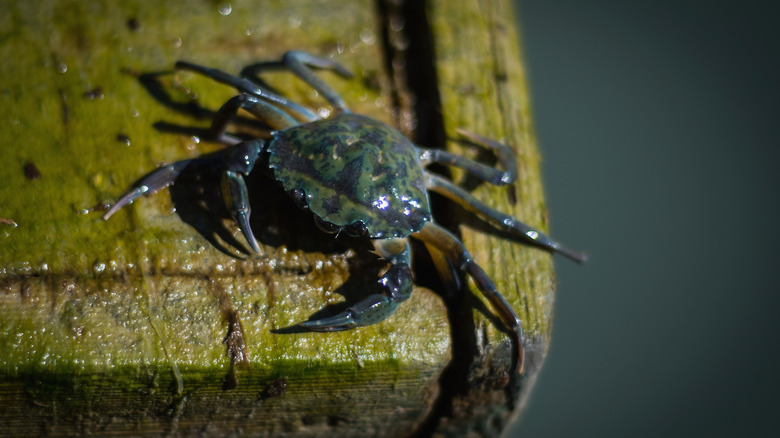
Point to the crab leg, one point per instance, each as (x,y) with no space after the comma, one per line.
(267,113)
(449,245)
(397,283)
(239,161)
(506,157)
(246,86)
(498,219)
(300,63)
(482,171)
(151,183)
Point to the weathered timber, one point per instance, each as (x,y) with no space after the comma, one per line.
(161,321)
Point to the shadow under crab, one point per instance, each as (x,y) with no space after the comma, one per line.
(358,176)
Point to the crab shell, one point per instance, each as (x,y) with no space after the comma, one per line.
(353,169)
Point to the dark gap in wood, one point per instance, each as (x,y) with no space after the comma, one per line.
(415,87)
(387,14)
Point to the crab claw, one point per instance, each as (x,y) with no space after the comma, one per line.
(397,283)
(371,310)
(342,321)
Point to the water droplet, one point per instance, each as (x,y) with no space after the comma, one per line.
(225,9)
(397,23)
(123,138)
(367,36)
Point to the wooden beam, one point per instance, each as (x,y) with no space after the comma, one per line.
(131,325)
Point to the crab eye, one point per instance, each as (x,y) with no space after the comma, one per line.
(299,197)
(357,229)
(328,227)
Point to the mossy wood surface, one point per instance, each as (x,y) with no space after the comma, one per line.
(160,321)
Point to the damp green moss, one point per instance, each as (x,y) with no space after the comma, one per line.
(148,288)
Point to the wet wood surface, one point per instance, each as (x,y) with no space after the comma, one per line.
(161,321)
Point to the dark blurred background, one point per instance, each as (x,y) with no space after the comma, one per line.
(659,124)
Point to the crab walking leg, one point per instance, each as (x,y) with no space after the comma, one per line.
(506,158)
(246,86)
(239,161)
(482,171)
(151,183)
(449,274)
(300,63)
(498,219)
(447,243)
(267,113)
(397,283)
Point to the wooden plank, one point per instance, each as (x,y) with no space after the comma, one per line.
(483,89)
(117,327)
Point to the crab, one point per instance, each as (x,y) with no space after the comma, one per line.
(358,176)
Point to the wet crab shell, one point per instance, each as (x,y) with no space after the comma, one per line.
(352,169)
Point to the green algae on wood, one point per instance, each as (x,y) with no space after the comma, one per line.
(142,300)
(484,90)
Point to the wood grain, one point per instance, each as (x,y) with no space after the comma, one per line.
(117,327)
